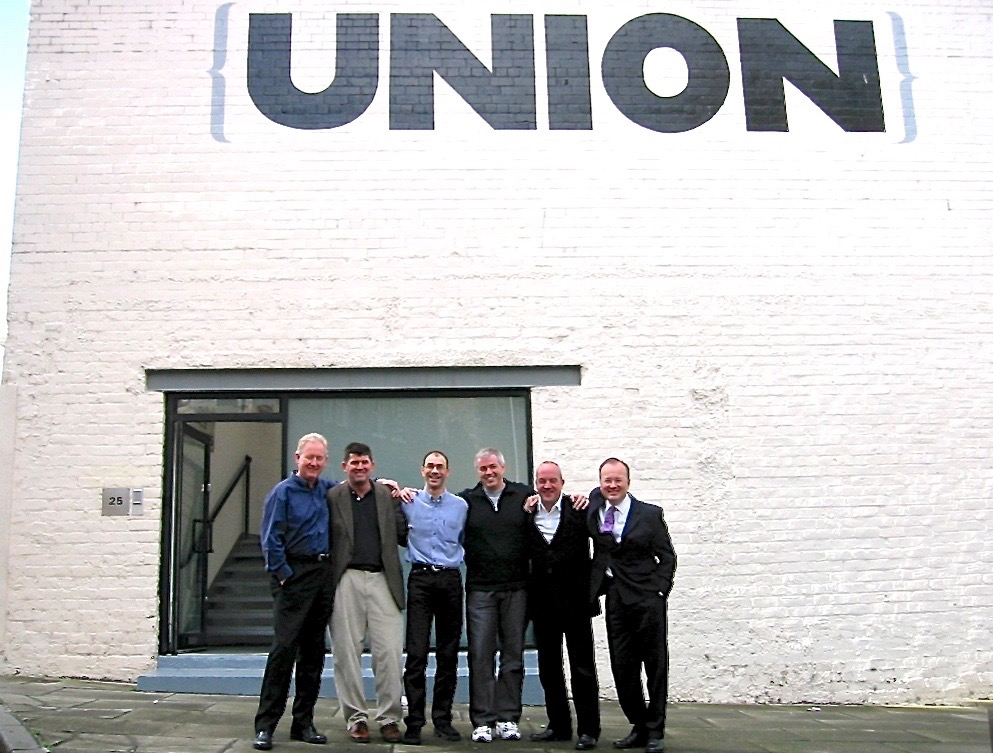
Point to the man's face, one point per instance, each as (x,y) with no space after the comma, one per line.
(491,472)
(311,461)
(548,481)
(614,482)
(358,468)
(435,472)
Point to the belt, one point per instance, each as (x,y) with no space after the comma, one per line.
(366,568)
(308,558)
(432,568)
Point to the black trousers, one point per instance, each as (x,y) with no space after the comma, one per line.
(551,627)
(636,636)
(432,597)
(301,609)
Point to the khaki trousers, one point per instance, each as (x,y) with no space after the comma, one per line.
(364,609)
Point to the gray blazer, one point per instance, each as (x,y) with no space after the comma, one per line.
(392,533)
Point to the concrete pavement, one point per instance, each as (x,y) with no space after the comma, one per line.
(81,716)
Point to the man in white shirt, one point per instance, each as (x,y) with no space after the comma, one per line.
(561,609)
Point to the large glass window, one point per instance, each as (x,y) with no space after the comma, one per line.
(401,429)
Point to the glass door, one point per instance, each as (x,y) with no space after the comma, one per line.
(193,536)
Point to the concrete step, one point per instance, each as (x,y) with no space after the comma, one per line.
(231,673)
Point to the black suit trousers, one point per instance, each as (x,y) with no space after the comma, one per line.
(636,636)
(301,609)
(432,597)
(551,627)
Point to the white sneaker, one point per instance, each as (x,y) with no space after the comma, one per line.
(482,735)
(508,731)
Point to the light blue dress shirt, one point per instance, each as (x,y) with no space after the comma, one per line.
(436,529)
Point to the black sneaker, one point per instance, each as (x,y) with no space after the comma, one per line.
(411,736)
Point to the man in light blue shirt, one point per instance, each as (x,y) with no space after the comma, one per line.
(436,520)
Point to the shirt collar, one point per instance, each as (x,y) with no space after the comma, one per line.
(434,500)
(557,506)
(622,507)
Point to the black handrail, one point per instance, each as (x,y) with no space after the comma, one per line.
(204,542)
(243,470)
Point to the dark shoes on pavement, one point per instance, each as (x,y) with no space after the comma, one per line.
(448,732)
(411,735)
(263,740)
(655,745)
(637,738)
(548,735)
(308,734)
(586,742)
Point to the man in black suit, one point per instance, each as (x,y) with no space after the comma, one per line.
(633,564)
(560,606)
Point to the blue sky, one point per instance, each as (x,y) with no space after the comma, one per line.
(13,42)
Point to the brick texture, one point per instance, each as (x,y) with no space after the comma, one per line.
(787,335)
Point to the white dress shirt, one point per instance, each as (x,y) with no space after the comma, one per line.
(547,521)
(620,516)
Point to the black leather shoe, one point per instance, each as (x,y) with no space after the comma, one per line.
(547,735)
(309,735)
(585,742)
(411,736)
(263,740)
(448,732)
(655,745)
(636,739)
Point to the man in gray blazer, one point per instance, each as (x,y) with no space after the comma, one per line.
(366,528)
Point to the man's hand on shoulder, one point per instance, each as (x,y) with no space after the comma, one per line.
(406,494)
(580,501)
(530,503)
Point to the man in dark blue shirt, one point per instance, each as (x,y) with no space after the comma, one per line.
(295,543)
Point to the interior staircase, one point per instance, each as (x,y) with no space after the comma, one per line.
(239,604)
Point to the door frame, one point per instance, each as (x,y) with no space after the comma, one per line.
(176,426)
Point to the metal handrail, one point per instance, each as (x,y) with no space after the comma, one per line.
(244,470)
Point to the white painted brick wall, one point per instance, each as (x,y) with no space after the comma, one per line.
(788,336)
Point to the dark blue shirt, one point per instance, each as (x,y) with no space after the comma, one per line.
(294,522)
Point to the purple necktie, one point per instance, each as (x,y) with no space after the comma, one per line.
(608,521)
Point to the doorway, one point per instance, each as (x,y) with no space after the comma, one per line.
(223,456)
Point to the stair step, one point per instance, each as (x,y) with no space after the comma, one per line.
(232,620)
(241,674)
(242,586)
(255,601)
(239,602)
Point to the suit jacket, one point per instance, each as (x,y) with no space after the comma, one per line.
(560,569)
(643,564)
(392,533)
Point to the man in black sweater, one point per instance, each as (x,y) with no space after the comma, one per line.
(496,558)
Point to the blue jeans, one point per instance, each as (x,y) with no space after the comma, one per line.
(496,622)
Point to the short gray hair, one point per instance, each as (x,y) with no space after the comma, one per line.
(312,437)
(486,452)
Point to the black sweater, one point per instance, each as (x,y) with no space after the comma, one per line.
(496,551)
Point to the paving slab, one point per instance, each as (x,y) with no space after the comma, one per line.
(82,716)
